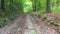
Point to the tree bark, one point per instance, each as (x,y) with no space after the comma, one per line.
(34,5)
(2,5)
(58,3)
(48,9)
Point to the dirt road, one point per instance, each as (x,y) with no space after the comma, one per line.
(25,24)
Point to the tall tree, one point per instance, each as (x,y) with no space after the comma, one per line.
(58,4)
(11,4)
(2,5)
(34,5)
(48,9)
(38,5)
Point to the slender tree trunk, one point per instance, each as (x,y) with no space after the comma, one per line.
(48,9)
(38,5)
(2,5)
(58,3)
(34,5)
(11,5)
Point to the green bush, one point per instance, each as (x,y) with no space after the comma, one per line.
(12,9)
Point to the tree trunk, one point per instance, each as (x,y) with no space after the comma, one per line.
(11,1)
(48,9)
(58,3)
(2,5)
(34,5)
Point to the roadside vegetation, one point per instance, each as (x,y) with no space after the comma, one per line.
(9,10)
(45,9)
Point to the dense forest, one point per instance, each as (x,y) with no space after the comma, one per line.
(16,13)
(9,9)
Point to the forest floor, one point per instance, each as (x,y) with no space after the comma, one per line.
(27,24)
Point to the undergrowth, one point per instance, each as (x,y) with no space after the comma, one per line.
(5,17)
(44,16)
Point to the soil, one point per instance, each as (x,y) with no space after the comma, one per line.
(27,24)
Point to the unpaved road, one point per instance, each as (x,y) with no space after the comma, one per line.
(25,24)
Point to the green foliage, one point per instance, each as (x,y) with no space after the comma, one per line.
(12,9)
(27,6)
(54,23)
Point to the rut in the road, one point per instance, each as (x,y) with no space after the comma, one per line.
(29,26)
(33,27)
(26,24)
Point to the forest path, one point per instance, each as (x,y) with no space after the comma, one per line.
(25,24)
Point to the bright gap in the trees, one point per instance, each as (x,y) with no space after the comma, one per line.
(27,5)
